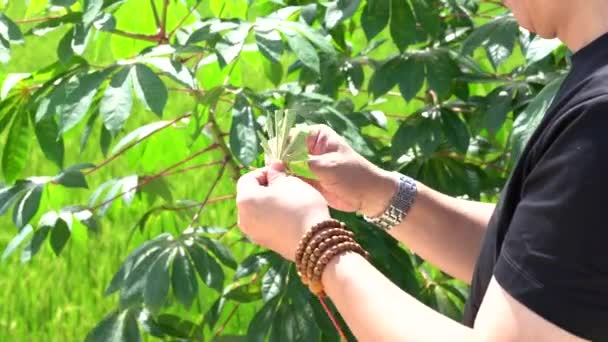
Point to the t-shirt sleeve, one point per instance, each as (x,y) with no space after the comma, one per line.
(554,258)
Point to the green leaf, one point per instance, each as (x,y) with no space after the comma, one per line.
(10,82)
(526,122)
(129,188)
(404,139)
(411,77)
(143,251)
(9,195)
(375,17)
(269,44)
(150,90)
(305,52)
(219,250)
(340,10)
(16,241)
(71,179)
(16,150)
(157,282)
(78,98)
(91,10)
(243,139)
(63,3)
(456,131)
(403,24)
(427,13)
(540,48)
(262,321)
(27,207)
(386,76)
(135,279)
(60,234)
(64,48)
(139,133)
(5,51)
(251,264)
(33,246)
(105,140)
(116,327)
(185,285)
(244,293)
(441,71)
(497,36)
(174,69)
(208,269)
(272,283)
(9,31)
(115,106)
(168,325)
(51,143)
(54,23)
(499,106)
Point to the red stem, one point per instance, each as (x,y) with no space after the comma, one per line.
(211,201)
(156,17)
(37,20)
(158,175)
(138,36)
(213,185)
(333,319)
(194,167)
(163,23)
(181,22)
(135,143)
(223,326)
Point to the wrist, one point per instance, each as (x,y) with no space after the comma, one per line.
(382,190)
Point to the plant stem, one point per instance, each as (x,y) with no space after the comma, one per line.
(161,174)
(163,23)
(37,20)
(213,185)
(223,326)
(156,17)
(138,36)
(135,143)
(181,22)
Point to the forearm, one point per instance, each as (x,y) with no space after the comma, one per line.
(377,310)
(445,231)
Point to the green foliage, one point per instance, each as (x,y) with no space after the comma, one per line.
(447,91)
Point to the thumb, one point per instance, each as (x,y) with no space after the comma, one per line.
(276,171)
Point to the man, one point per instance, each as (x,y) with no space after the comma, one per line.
(537,261)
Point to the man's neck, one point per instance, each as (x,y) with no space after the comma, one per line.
(588,24)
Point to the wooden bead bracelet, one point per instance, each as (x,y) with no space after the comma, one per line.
(321,243)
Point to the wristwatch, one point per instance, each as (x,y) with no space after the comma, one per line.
(399,206)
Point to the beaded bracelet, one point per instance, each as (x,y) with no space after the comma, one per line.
(331,223)
(320,244)
(313,251)
(315,285)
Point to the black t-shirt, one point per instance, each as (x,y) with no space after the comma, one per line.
(547,241)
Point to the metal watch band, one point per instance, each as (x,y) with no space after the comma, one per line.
(399,206)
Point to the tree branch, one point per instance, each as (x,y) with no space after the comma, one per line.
(138,36)
(156,17)
(161,174)
(181,22)
(135,143)
(213,185)
(37,20)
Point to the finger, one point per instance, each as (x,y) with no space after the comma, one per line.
(323,164)
(319,140)
(276,171)
(252,182)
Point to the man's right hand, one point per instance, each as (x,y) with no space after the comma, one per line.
(347,180)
